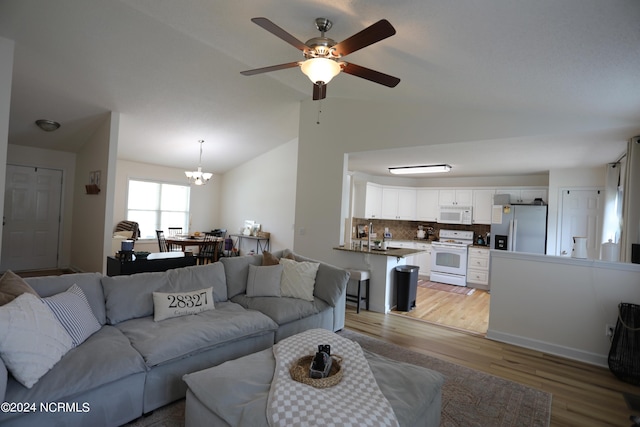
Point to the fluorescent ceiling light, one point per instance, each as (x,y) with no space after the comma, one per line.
(406,170)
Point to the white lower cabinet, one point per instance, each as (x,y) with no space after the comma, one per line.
(478,267)
(423,259)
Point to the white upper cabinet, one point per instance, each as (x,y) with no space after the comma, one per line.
(367,200)
(427,206)
(373,203)
(525,195)
(460,197)
(398,203)
(482,205)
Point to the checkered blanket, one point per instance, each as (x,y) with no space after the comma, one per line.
(355,401)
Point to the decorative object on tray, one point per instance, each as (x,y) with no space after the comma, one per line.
(320,371)
(141,255)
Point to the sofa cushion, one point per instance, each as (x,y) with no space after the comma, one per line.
(236,270)
(282,310)
(264,281)
(333,281)
(12,286)
(171,339)
(72,310)
(271,259)
(176,304)
(88,282)
(200,277)
(130,297)
(298,279)
(31,338)
(104,357)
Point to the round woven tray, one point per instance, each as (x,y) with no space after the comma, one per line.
(300,372)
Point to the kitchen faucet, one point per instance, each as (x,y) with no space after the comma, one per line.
(369,236)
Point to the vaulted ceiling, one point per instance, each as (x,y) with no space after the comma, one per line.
(172,69)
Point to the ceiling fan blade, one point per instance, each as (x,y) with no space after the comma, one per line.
(279,32)
(371,75)
(370,35)
(268,69)
(319,91)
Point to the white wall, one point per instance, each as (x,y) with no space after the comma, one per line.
(558,305)
(204,202)
(263,190)
(51,159)
(89,210)
(6,75)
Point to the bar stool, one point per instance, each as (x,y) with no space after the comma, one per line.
(361,277)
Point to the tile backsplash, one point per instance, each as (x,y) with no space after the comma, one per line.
(407,230)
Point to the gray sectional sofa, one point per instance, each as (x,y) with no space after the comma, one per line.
(133,365)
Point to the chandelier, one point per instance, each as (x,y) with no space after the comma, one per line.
(198,177)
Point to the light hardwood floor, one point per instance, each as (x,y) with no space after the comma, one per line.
(467,312)
(583,395)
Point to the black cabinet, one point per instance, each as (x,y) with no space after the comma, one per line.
(155,262)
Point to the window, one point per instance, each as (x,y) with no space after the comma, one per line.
(157,206)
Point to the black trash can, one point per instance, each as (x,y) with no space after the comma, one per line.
(406,287)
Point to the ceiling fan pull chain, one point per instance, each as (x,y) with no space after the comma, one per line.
(319,111)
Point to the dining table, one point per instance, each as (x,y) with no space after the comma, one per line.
(185,241)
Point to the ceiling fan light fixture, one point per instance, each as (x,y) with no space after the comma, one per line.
(198,177)
(406,170)
(320,70)
(47,125)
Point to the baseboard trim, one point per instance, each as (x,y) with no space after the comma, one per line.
(558,350)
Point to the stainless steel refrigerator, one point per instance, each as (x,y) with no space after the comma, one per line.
(519,228)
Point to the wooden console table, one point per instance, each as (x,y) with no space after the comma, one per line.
(160,261)
(262,243)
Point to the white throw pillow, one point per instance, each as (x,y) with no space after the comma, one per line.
(298,279)
(264,281)
(175,304)
(74,313)
(31,339)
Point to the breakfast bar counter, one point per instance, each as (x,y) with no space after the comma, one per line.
(381,265)
(394,252)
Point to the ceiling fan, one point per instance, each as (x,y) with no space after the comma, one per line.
(322,54)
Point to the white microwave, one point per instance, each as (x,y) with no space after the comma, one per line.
(455,215)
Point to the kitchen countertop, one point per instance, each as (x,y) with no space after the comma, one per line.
(396,252)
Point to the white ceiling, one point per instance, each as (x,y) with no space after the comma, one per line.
(172,69)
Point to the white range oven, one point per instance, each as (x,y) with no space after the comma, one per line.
(449,257)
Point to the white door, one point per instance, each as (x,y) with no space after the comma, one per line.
(31,218)
(581,217)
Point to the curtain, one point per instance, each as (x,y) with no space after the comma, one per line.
(612,201)
(631,200)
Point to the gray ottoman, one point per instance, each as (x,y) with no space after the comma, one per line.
(235,393)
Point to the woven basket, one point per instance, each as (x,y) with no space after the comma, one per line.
(300,372)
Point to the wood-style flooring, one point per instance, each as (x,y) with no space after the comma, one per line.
(467,312)
(583,395)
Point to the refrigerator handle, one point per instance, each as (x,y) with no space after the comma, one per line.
(510,236)
(515,235)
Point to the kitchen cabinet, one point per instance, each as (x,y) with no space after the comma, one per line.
(478,267)
(398,203)
(427,206)
(423,259)
(453,197)
(482,205)
(525,195)
(367,200)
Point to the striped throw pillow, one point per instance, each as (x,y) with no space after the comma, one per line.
(73,311)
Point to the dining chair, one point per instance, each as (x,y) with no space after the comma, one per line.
(162,242)
(209,249)
(174,231)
